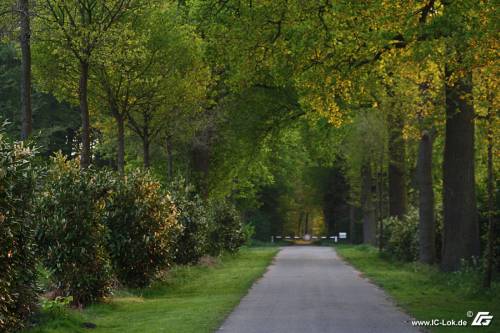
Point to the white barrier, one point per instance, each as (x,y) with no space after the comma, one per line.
(341,235)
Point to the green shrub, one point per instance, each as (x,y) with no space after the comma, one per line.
(248,233)
(17,255)
(142,221)
(56,307)
(192,244)
(226,228)
(71,233)
(401,236)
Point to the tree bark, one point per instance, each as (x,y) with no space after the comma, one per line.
(491,205)
(369,222)
(427,224)
(200,153)
(461,230)
(352,221)
(299,229)
(306,226)
(84,111)
(145,151)
(26,111)
(380,214)
(397,166)
(170,159)
(120,157)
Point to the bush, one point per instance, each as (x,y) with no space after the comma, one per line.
(226,228)
(192,244)
(143,226)
(248,233)
(17,255)
(401,236)
(71,233)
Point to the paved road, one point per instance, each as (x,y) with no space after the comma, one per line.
(309,289)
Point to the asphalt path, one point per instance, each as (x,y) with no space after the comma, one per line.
(309,289)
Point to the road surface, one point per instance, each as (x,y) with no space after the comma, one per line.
(309,289)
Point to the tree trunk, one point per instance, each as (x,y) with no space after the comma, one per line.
(170,159)
(491,205)
(427,225)
(120,157)
(145,151)
(299,229)
(84,111)
(26,111)
(201,165)
(461,230)
(306,227)
(397,166)
(352,221)
(380,213)
(369,223)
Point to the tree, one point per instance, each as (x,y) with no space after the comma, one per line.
(427,225)
(368,209)
(119,78)
(55,123)
(22,10)
(365,147)
(461,229)
(173,85)
(75,30)
(487,103)
(397,164)
(25,34)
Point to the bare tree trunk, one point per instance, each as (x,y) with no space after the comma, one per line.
(201,164)
(170,159)
(301,217)
(380,213)
(461,230)
(120,157)
(84,112)
(491,205)
(427,225)
(397,166)
(306,227)
(369,222)
(26,111)
(145,151)
(352,221)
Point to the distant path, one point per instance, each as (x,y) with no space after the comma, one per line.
(310,290)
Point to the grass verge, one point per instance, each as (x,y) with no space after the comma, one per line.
(191,299)
(425,292)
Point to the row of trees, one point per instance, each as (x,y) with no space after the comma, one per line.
(131,64)
(214,91)
(426,67)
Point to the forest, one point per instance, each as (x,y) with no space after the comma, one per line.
(136,135)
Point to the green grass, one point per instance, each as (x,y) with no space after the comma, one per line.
(191,299)
(426,293)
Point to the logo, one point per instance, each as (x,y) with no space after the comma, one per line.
(482,319)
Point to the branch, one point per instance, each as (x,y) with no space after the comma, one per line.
(425,11)
(398,42)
